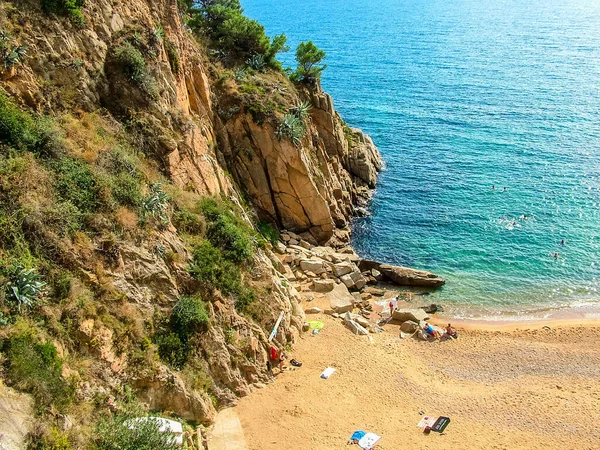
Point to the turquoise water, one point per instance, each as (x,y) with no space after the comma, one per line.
(460,96)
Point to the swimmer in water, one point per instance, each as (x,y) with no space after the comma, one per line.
(524,216)
(555,255)
(562,242)
(493,187)
(504,189)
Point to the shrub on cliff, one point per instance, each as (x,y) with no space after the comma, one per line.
(67,8)
(133,65)
(309,58)
(234,34)
(35,367)
(189,315)
(22,131)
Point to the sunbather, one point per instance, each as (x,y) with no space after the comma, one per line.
(451,332)
(430,331)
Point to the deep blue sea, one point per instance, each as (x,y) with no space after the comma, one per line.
(460,96)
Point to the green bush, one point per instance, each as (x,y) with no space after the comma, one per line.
(309,58)
(233,239)
(126,431)
(35,368)
(227,231)
(189,315)
(68,8)
(210,267)
(75,183)
(173,56)
(133,65)
(230,31)
(17,128)
(170,349)
(126,190)
(268,232)
(188,222)
(22,131)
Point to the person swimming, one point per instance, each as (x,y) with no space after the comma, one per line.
(562,242)
(555,255)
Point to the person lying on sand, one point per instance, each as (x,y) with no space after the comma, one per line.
(451,332)
(430,331)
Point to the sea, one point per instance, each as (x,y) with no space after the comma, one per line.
(487,114)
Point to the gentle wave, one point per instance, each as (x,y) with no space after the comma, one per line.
(460,96)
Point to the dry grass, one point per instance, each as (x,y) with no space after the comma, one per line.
(88,134)
(127,219)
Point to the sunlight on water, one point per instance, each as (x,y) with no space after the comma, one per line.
(459,97)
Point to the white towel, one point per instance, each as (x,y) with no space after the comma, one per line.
(327,372)
(368,440)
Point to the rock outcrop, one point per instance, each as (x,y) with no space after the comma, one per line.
(403,276)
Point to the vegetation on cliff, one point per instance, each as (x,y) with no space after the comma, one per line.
(138,174)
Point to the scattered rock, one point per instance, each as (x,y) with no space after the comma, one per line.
(309,265)
(362,321)
(432,309)
(375,291)
(279,248)
(376,329)
(355,327)
(305,245)
(313,310)
(293,242)
(323,285)
(340,299)
(366,296)
(343,268)
(376,274)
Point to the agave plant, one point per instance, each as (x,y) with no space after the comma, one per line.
(240,74)
(10,55)
(156,203)
(257,62)
(301,111)
(26,288)
(291,128)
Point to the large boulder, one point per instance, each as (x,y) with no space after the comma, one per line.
(408,327)
(414,315)
(403,276)
(340,299)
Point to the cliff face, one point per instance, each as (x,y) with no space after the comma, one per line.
(190,129)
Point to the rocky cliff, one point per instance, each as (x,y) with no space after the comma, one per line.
(136,111)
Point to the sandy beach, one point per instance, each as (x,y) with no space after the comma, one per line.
(519,386)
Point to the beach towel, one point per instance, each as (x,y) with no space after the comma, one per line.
(327,372)
(440,424)
(427,421)
(315,324)
(368,440)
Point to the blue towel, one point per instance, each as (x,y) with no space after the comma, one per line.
(357,435)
